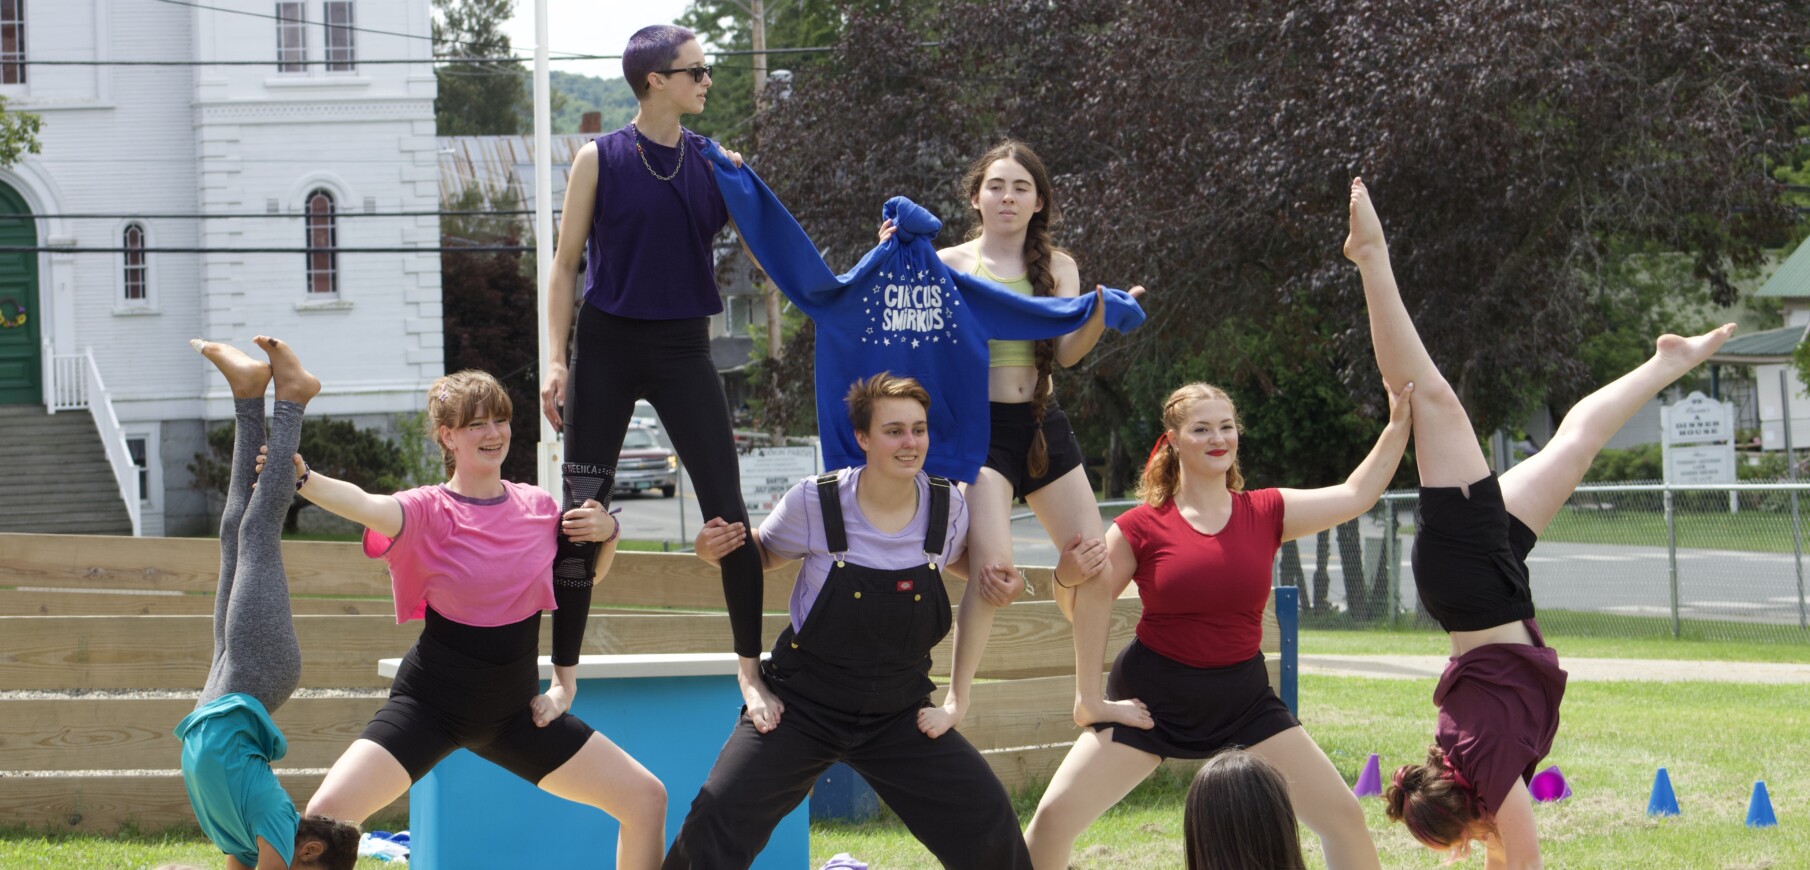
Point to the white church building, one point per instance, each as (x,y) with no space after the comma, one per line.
(174,200)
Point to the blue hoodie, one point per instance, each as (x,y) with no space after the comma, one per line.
(901,310)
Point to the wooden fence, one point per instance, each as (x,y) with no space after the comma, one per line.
(106,614)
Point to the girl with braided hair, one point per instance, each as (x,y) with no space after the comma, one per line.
(1033,454)
(1499,697)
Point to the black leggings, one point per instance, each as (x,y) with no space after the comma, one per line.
(667,362)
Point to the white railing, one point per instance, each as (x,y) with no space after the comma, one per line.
(71,382)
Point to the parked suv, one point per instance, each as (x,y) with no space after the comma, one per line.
(645,464)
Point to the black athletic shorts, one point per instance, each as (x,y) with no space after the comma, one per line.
(1198,711)
(1009,449)
(1470,558)
(444,700)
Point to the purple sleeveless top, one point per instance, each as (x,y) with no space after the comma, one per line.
(649,255)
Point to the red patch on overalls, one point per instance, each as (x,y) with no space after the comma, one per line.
(905,585)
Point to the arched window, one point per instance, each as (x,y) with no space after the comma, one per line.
(323,238)
(137,287)
(12,42)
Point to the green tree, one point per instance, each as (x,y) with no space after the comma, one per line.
(478,99)
(337,448)
(18,134)
(728,25)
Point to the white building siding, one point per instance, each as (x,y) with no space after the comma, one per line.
(180,140)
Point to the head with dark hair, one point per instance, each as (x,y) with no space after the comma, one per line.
(325,844)
(892,426)
(1238,816)
(1004,166)
(1163,470)
(1439,810)
(864,394)
(652,48)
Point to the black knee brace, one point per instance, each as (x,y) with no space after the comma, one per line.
(576,562)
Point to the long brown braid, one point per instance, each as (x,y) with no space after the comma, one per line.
(1039,256)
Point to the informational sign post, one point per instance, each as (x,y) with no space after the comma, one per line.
(767,472)
(1699,442)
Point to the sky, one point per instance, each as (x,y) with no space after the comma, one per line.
(589,27)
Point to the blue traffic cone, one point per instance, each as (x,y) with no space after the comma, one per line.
(1663,802)
(1759,808)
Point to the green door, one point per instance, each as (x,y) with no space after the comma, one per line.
(20,367)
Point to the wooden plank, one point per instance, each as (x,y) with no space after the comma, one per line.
(173,652)
(177,564)
(1013,713)
(32,602)
(1021,769)
(99,804)
(105,733)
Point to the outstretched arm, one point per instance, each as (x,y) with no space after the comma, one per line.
(1309,511)
(1516,842)
(379,513)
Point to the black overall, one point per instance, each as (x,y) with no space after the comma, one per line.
(853,679)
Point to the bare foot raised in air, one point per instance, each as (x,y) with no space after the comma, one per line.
(294,383)
(247,377)
(1366,238)
(1681,354)
(1132,713)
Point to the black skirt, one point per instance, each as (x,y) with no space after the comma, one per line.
(1470,558)
(1198,711)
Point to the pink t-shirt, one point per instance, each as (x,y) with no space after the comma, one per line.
(482,562)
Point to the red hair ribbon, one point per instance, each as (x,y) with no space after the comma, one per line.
(1161,442)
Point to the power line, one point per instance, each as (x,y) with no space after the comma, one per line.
(436,59)
(268,15)
(261,214)
(79,249)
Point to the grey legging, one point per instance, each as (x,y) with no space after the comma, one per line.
(255,651)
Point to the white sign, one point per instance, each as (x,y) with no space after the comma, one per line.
(1696,464)
(1699,437)
(767,472)
(1699,419)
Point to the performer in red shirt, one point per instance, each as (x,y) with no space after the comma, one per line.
(1200,548)
(1499,697)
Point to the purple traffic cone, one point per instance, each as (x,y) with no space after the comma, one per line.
(1549,785)
(1370,782)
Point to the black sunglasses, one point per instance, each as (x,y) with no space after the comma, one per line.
(698,73)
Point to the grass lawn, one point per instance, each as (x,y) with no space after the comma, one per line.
(1716,740)
(1418,642)
(1747,530)
(1614,736)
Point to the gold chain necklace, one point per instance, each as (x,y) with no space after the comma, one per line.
(650,167)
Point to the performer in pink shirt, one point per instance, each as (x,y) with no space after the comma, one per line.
(474,558)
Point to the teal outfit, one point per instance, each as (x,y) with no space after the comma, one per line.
(228,745)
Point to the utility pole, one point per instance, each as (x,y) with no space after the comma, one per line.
(758,12)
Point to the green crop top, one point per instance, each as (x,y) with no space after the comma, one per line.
(1003,354)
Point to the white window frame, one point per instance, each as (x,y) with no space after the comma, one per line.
(292,59)
(122,305)
(12,62)
(340,58)
(332,246)
(150,495)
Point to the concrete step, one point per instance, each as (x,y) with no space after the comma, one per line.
(58,479)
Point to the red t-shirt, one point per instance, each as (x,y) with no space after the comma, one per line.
(1204,594)
(1498,712)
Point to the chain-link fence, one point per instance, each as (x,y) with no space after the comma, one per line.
(1620,560)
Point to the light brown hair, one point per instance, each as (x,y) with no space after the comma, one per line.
(1428,799)
(459,398)
(1162,473)
(863,394)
